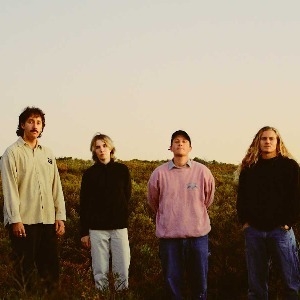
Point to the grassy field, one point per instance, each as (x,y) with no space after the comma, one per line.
(227,270)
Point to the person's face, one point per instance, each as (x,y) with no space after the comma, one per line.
(180,146)
(102,151)
(32,128)
(268,143)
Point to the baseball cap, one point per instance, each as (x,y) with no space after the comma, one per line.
(180,132)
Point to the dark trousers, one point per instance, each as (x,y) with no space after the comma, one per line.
(36,252)
(181,256)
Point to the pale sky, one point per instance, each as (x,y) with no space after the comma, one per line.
(139,70)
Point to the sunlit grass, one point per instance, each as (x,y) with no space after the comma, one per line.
(227,270)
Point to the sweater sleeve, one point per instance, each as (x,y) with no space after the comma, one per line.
(240,204)
(153,192)
(84,228)
(128,190)
(293,203)
(209,189)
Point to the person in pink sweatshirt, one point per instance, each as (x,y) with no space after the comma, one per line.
(180,192)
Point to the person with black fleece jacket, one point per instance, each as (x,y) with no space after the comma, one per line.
(268,205)
(104,196)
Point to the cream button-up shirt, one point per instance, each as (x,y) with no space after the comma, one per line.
(31,185)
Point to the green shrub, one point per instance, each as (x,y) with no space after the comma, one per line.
(227,269)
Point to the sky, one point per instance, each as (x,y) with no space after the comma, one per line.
(140,70)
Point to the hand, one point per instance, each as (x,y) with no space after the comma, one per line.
(59,227)
(246,225)
(86,241)
(18,230)
(285,227)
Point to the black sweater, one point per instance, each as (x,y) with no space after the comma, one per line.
(104,195)
(269,193)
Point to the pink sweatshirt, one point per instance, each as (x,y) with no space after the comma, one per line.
(180,198)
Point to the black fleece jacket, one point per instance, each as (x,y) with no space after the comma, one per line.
(269,193)
(104,196)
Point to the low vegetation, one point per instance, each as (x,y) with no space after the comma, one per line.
(227,270)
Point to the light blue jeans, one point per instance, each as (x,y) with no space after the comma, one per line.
(185,255)
(280,245)
(102,243)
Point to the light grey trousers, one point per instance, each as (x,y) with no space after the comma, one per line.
(104,242)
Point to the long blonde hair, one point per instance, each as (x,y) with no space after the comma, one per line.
(253,152)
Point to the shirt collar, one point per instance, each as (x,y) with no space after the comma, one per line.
(171,164)
(21,142)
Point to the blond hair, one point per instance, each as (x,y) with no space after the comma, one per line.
(107,140)
(253,153)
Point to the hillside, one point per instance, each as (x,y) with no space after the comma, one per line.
(227,271)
